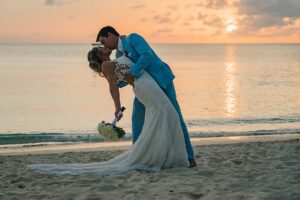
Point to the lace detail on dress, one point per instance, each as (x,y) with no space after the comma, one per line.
(121,70)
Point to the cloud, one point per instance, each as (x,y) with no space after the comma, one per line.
(173,7)
(58,2)
(279,32)
(49,2)
(197,29)
(213,4)
(163,19)
(138,6)
(216,4)
(188,20)
(164,30)
(201,16)
(210,23)
(210,20)
(144,19)
(255,16)
(274,8)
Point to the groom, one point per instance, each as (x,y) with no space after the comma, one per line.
(138,50)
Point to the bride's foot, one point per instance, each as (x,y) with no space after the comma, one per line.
(192,163)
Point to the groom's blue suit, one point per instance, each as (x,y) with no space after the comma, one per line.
(139,51)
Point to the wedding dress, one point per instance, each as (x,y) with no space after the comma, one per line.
(160,145)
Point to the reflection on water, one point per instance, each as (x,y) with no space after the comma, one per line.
(230,97)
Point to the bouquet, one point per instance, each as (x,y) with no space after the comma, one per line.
(110,131)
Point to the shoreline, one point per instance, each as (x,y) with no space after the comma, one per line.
(124,145)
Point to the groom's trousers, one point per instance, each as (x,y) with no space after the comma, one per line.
(138,117)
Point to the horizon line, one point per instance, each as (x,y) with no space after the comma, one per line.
(154,43)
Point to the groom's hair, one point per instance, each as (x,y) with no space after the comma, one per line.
(104,32)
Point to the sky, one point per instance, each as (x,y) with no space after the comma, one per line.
(159,21)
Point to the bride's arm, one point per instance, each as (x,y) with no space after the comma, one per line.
(108,72)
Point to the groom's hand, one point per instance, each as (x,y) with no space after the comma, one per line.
(129,78)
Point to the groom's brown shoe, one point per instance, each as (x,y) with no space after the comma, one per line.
(192,163)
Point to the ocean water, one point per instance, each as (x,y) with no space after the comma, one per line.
(49,94)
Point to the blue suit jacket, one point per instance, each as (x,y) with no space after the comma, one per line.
(145,59)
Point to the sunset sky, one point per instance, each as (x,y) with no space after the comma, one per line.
(159,21)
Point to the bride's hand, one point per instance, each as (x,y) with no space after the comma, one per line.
(118,116)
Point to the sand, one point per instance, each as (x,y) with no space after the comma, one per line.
(254,170)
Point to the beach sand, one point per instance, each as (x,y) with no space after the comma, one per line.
(254,170)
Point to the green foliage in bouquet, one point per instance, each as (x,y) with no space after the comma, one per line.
(110,131)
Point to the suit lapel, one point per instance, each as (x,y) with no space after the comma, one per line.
(129,52)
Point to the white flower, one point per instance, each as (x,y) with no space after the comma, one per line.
(108,131)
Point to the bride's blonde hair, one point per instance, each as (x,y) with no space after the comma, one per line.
(95,61)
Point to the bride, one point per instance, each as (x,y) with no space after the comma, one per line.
(161,143)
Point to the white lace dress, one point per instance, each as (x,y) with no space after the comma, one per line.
(160,145)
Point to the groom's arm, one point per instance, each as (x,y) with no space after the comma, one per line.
(140,45)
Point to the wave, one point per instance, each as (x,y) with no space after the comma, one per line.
(245,133)
(54,138)
(245,121)
(20,138)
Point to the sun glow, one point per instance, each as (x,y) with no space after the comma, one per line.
(230,28)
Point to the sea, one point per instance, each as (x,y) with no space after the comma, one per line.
(48,93)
